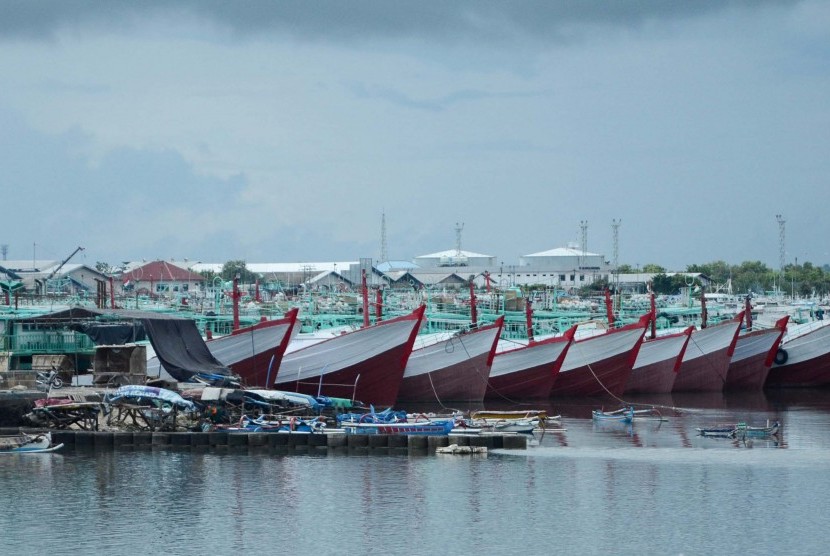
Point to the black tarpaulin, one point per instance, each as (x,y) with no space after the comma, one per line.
(112,334)
(181,349)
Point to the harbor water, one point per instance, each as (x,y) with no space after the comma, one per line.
(654,487)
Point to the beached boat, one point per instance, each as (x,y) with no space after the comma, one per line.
(753,357)
(658,362)
(28,444)
(601,365)
(529,371)
(706,360)
(456,369)
(803,359)
(622,415)
(366,364)
(253,353)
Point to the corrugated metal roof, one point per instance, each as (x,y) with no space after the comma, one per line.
(563,252)
(452,253)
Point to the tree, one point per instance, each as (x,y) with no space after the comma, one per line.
(652,268)
(233,268)
(103,268)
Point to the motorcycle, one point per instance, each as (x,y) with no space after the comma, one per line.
(47,381)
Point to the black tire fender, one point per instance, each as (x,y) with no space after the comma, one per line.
(781,356)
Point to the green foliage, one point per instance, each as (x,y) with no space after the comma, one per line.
(653,268)
(103,268)
(233,268)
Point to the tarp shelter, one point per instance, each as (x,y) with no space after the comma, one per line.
(175,339)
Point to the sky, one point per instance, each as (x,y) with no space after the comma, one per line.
(288,131)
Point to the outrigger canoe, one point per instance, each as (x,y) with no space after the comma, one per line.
(28,444)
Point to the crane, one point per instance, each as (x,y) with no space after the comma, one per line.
(63,262)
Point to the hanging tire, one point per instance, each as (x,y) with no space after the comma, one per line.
(781,356)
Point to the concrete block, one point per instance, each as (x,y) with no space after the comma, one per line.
(357,440)
(161,439)
(238,439)
(518,442)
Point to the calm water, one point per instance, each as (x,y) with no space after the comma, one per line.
(655,488)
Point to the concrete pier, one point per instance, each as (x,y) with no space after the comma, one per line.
(299,442)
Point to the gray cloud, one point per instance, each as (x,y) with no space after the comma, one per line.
(336,20)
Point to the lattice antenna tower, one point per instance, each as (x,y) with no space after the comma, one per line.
(4,250)
(583,240)
(615,228)
(384,255)
(458,228)
(782,252)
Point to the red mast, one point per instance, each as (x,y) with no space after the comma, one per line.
(473,310)
(235,295)
(529,317)
(609,308)
(703,313)
(748,314)
(365,299)
(653,317)
(487,281)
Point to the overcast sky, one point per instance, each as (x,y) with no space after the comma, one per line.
(279,131)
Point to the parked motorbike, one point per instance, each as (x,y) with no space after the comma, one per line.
(50,380)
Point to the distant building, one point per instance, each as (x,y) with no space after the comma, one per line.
(161,278)
(455,258)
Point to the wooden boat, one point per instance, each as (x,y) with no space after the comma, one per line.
(453,370)
(741,430)
(803,359)
(601,365)
(253,353)
(753,357)
(657,364)
(28,444)
(425,428)
(529,371)
(366,364)
(277,424)
(622,415)
(706,360)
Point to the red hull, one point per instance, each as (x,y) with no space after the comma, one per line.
(373,379)
(749,374)
(613,373)
(254,370)
(704,374)
(463,382)
(749,370)
(808,359)
(658,375)
(708,354)
(520,380)
(657,378)
(815,372)
(453,370)
(601,365)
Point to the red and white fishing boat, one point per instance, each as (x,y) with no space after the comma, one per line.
(658,362)
(455,369)
(706,360)
(754,354)
(601,365)
(803,359)
(366,364)
(254,353)
(528,371)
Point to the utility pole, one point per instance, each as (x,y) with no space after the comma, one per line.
(782,252)
(583,240)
